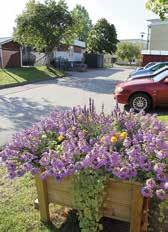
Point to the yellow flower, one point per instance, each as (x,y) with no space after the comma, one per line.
(114,139)
(60,138)
(123,135)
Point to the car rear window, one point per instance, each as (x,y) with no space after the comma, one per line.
(159,66)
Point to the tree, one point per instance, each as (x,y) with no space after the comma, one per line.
(128,51)
(102,38)
(159,7)
(43,26)
(83,22)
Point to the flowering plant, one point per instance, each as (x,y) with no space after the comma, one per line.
(124,145)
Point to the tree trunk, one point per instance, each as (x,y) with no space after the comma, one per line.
(49,57)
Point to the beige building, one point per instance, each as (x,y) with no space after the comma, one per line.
(141,42)
(158,35)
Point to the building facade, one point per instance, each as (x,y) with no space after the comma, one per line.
(10,53)
(154,56)
(157,35)
(157,42)
(73,53)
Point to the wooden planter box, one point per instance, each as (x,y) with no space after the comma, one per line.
(123,200)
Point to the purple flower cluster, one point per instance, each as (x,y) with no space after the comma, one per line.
(127,146)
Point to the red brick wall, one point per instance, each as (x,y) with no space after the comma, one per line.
(11,55)
(153,58)
(77,49)
(63,48)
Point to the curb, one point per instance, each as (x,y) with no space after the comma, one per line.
(29,82)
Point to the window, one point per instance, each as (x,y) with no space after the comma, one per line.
(159,66)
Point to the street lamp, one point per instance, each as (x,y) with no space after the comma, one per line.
(142,36)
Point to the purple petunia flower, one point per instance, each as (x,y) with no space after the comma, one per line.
(159,167)
(45,160)
(151,183)
(147,192)
(87,144)
(161,194)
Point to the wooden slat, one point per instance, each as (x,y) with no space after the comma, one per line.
(111,202)
(127,182)
(43,199)
(144,222)
(120,193)
(136,211)
(118,200)
(64,185)
(115,210)
(61,198)
(123,200)
(60,192)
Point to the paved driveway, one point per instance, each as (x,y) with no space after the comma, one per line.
(21,106)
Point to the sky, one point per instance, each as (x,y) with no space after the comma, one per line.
(128,16)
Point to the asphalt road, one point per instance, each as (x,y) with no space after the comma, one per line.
(21,106)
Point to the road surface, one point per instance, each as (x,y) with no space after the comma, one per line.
(21,106)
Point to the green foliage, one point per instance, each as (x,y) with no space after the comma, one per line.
(51,141)
(159,7)
(128,51)
(102,38)
(158,215)
(89,195)
(83,23)
(44,26)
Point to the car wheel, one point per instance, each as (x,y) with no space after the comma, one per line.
(140,102)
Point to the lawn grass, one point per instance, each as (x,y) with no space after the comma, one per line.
(27,74)
(17,213)
(164,118)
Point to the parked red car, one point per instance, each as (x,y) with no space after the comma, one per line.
(144,94)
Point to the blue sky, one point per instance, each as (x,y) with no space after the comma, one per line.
(129,16)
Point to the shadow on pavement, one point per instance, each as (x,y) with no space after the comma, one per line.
(23,112)
(98,81)
(93,73)
(161,111)
(95,80)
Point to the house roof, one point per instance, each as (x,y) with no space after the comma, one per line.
(157,21)
(154,52)
(133,40)
(4,40)
(79,43)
